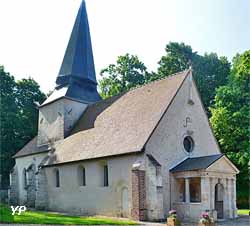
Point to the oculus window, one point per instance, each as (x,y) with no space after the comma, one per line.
(188,144)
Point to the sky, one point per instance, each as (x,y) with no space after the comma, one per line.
(34,33)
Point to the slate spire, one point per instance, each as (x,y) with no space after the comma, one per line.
(78,59)
(77,72)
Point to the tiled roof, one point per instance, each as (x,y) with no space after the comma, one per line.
(31,148)
(196,163)
(121,124)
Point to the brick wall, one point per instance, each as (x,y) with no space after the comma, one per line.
(139,211)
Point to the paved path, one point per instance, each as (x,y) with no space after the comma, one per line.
(241,221)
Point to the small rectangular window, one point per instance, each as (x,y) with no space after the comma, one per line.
(106,181)
(83,177)
(57,178)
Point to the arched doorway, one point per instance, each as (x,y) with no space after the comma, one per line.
(125,202)
(219,194)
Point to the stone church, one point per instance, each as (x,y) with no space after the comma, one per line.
(137,155)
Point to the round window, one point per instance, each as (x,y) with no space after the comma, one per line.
(188,144)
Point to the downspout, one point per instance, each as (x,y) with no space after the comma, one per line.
(170,205)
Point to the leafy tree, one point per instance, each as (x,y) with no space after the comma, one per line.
(18,119)
(8,120)
(178,58)
(128,72)
(210,72)
(231,116)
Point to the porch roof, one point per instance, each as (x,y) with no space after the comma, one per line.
(196,163)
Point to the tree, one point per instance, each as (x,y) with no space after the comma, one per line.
(209,71)
(8,121)
(231,116)
(178,58)
(18,119)
(128,72)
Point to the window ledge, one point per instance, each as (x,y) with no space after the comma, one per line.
(187,203)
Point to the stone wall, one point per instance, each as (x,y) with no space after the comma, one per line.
(93,198)
(57,118)
(166,143)
(31,186)
(42,199)
(23,163)
(14,187)
(154,191)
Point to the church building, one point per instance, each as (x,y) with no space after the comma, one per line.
(136,155)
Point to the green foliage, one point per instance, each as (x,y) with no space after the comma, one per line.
(128,72)
(209,71)
(231,116)
(36,217)
(178,58)
(18,117)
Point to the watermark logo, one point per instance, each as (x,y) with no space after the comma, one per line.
(18,209)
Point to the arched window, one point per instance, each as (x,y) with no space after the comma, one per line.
(81,176)
(25,178)
(57,178)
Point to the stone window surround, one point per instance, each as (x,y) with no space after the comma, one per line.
(25,178)
(104,178)
(81,174)
(57,178)
(187,197)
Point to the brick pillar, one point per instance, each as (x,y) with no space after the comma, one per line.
(14,192)
(139,211)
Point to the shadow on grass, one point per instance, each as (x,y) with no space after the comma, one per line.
(36,217)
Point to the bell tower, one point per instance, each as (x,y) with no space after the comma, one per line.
(76,85)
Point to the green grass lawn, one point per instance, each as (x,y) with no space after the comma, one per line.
(243,212)
(36,217)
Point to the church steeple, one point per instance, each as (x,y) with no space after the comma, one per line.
(76,79)
(76,85)
(78,60)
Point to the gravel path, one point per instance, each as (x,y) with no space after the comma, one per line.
(241,221)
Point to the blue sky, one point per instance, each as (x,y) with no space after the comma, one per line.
(34,34)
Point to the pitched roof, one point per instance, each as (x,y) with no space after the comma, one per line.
(119,125)
(196,163)
(31,148)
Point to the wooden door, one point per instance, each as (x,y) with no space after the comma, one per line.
(219,206)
